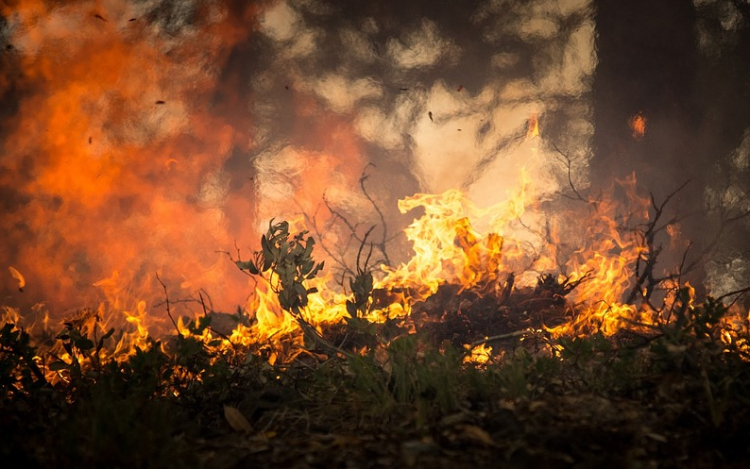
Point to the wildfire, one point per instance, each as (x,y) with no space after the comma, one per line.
(481,250)
(125,151)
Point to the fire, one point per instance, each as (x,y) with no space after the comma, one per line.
(103,116)
(479,355)
(533,127)
(119,141)
(454,242)
(637,124)
(447,248)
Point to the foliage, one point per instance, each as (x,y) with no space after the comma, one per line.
(286,263)
(19,372)
(361,285)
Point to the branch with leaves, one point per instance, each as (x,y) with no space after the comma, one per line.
(286,263)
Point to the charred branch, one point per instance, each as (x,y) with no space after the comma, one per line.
(569,168)
(645,280)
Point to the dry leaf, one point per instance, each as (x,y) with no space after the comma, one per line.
(17,275)
(472,432)
(657,437)
(236,420)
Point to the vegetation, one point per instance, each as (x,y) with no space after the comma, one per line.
(677,395)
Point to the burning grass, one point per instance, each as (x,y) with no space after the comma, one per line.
(498,340)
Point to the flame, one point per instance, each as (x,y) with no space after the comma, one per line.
(637,124)
(119,141)
(446,246)
(456,242)
(533,127)
(479,355)
(116,143)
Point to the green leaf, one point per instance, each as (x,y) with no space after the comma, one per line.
(307,267)
(368,282)
(284,227)
(309,247)
(300,290)
(315,270)
(267,248)
(249,266)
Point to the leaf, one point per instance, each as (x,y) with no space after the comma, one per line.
(315,270)
(249,266)
(17,275)
(472,432)
(307,267)
(84,344)
(57,366)
(309,247)
(297,251)
(236,420)
(266,247)
(367,283)
(300,289)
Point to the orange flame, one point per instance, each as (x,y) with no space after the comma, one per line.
(112,152)
(533,127)
(637,124)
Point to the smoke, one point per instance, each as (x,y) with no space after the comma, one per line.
(145,136)
(112,162)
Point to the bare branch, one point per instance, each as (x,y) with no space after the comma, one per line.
(166,296)
(382,245)
(568,164)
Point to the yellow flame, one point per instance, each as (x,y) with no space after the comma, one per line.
(480,354)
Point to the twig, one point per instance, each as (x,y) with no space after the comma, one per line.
(203,304)
(644,266)
(166,296)
(568,164)
(338,259)
(495,338)
(384,238)
(739,292)
(308,329)
(359,253)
